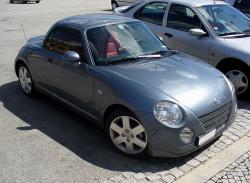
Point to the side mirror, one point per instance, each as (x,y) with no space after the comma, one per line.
(71,56)
(197,32)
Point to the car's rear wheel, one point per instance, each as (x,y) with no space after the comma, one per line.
(114,5)
(11,1)
(127,133)
(25,80)
(240,77)
(37,1)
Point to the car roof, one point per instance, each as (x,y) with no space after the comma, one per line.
(194,3)
(93,20)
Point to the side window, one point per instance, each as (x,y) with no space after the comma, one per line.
(52,39)
(152,13)
(182,18)
(69,40)
(62,40)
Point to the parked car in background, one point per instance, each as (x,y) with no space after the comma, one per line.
(118,74)
(209,30)
(118,3)
(24,1)
(242,5)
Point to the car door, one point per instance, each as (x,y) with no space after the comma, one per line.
(180,20)
(71,82)
(153,14)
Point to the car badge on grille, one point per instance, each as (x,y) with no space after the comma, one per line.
(218,100)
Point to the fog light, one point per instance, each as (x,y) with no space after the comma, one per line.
(186,135)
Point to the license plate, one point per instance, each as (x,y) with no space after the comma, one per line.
(206,137)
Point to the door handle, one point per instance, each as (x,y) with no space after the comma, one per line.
(168,35)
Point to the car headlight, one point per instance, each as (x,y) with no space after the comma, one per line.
(169,114)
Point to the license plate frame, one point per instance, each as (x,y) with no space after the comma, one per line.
(205,138)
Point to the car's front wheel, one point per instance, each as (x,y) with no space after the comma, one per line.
(25,80)
(127,133)
(240,77)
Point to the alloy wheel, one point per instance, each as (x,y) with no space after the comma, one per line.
(25,80)
(128,135)
(239,80)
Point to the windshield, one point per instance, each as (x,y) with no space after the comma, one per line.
(123,42)
(224,19)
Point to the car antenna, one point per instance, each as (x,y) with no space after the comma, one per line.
(25,38)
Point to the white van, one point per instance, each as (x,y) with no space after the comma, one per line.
(117,3)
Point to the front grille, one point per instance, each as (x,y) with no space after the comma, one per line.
(216,118)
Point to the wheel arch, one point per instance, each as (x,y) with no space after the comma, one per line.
(18,63)
(113,108)
(224,63)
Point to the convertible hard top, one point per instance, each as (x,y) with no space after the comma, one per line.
(93,20)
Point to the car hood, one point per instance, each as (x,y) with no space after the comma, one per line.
(191,83)
(238,43)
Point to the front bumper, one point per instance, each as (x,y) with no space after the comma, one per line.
(164,141)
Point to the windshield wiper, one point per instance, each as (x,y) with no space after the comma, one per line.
(150,56)
(139,57)
(231,33)
(169,51)
(166,51)
(128,59)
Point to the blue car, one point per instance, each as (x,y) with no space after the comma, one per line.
(114,71)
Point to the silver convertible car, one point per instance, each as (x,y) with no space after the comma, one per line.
(210,30)
(117,73)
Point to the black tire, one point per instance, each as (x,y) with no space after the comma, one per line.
(11,1)
(241,93)
(111,118)
(32,92)
(114,5)
(37,1)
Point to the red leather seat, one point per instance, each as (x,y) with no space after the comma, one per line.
(112,47)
